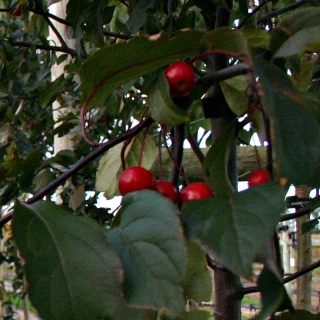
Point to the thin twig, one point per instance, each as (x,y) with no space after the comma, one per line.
(276,13)
(102,148)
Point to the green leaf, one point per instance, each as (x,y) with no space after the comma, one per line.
(234,94)
(257,38)
(139,14)
(234,228)
(197,282)
(72,270)
(191,315)
(216,162)
(294,126)
(51,91)
(309,226)
(109,76)
(298,315)
(226,41)
(150,243)
(163,109)
(274,295)
(302,19)
(306,39)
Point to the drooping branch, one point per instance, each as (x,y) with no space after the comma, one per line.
(102,148)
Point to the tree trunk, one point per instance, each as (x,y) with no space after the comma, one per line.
(304,257)
(227,286)
(65,142)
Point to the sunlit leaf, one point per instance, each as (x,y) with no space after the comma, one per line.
(110,166)
(234,228)
(68,263)
(150,243)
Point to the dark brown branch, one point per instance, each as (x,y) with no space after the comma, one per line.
(25,44)
(82,163)
(299,213)
(287,279)
(224,74)
(177,153)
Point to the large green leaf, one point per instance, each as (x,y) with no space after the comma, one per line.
(216,162)
(306,39)
(226,41)
(297,25)
(234,228)
(103,72)
(274,295)
(294,127)
(72,270)
(197,281)
(152,249)
(162,108)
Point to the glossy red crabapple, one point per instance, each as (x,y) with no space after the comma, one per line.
(17,12)
(195,191)
(134,179)
(167,189)
(181,78)
(258,177)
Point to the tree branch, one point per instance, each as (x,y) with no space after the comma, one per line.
(276,13)
(82,163)
(297,274)
(299,213)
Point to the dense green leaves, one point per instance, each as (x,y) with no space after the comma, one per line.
(109,76)
(234,228)
(294,127)
(68,263)
(152,249)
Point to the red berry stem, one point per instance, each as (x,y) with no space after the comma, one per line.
(163,127)
(123,152)
(142,147)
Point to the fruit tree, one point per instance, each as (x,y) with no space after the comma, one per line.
(142,78)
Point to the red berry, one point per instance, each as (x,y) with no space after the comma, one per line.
(258,177)
(181,78)
(167,189)
(195,191)
(135,179)
(17,12)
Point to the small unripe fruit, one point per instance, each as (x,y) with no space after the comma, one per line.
(181,78)
(258,177)
(195,191)
(134,179)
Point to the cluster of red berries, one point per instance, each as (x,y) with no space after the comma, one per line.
(137,178)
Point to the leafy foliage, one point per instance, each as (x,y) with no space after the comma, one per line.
(255,69)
